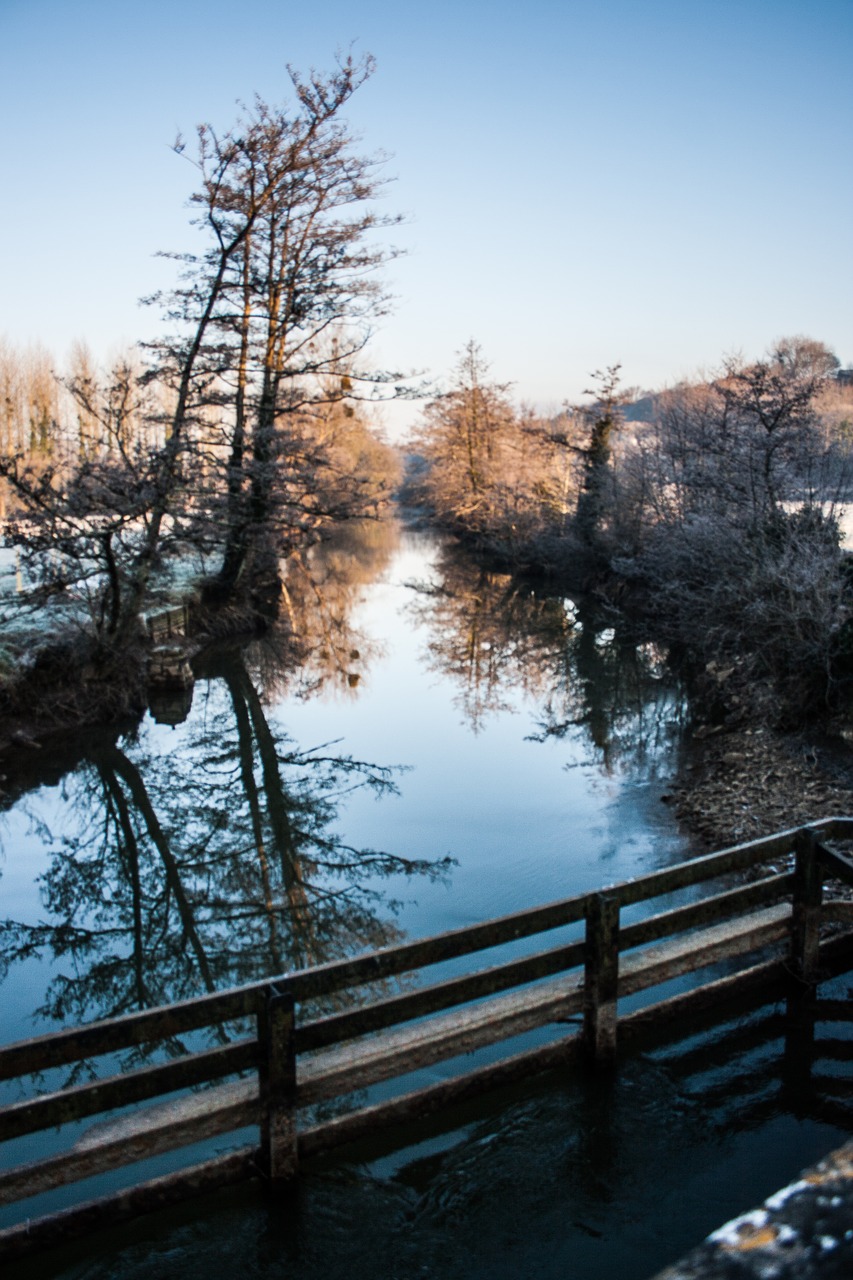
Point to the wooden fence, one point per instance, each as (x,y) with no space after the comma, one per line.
(764,922)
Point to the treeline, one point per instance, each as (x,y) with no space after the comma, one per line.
(717,514)
(243,435)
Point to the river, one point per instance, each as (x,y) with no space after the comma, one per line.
(451,745)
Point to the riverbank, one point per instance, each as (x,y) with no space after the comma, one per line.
(71,684)
(741,775)
(738,784)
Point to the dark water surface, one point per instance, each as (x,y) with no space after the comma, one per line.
(454,746)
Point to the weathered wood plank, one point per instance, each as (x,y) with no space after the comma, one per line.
(238,1103)
(432,999)
(717,907)
(708,867)
(382,964)
(354,1065)
(725,941)
(377,966)
(839,827)
(148,1132)
(836,910)
(664,1020)
(357,1064)
(345,1068)
(237,1100)
(837,864)
(676,1017)
(84,1100)
(836,953)
(334,1068)
(58,1048)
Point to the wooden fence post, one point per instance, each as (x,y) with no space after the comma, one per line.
(805,918)
(601,977)
(277,1080)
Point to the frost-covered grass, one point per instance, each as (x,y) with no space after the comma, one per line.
(32,616)
(178,578)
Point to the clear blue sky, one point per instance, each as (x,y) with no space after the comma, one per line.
(656,182)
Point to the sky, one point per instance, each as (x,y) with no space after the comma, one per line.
(653,182)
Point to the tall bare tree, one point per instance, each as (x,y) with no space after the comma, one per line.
(268,324)
(277,311)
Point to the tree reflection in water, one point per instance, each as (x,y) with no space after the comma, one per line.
(220,863)
(497,636)
(316,646)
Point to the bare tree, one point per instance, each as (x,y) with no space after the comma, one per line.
(771,406)
(226,437)
(736,542)
(82,509)
(278,309)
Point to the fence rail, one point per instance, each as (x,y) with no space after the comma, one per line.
(765,929)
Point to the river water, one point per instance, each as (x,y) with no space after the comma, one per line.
(451,746)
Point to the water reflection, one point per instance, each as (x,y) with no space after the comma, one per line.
(189,872)
(317,645)
(184,860)
(497,636)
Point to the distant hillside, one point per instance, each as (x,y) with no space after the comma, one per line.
(642,410)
